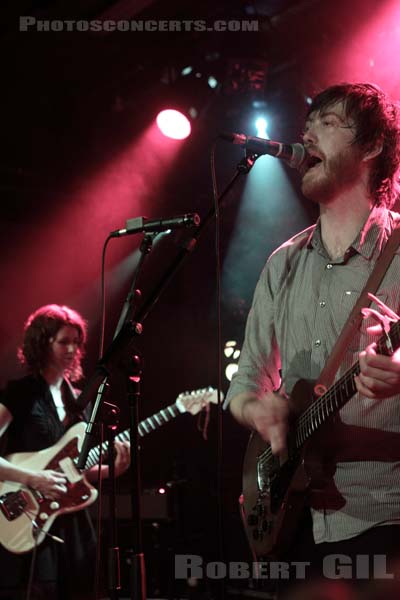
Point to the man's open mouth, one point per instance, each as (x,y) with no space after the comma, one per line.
(312,161)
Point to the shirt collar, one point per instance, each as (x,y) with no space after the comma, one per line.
(372,235)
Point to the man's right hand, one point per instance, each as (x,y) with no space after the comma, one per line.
(268,415)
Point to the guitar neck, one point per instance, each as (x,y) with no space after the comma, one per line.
(325,406)
(339,393)
(159,419)
(147,426)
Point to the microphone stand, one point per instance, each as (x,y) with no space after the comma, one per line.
(110,418)
(116,358)
(131,367)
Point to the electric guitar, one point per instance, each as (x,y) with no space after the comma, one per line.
(275,488)
(26,515)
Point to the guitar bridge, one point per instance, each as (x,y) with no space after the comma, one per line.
(13,504)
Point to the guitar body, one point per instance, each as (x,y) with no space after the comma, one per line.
(20,506)
(275,489)
(272,502)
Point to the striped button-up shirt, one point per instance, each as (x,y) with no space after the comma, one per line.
(301,302)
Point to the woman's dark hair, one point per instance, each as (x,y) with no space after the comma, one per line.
(40,327)
(376,118)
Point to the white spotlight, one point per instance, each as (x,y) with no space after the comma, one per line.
(261,126)
(230,371)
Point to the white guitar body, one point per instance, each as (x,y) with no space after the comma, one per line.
(26,516)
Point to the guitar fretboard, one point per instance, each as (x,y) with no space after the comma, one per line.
(339,393)
(147,426)
(333,399)
(155,421)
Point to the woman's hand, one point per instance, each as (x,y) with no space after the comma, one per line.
(122,458)
(49,483)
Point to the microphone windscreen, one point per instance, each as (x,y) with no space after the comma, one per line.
(299,156)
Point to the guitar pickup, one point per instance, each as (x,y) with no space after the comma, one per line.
(68,468)
(266,474)
(12,505)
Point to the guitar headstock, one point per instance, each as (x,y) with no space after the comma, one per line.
(193,402)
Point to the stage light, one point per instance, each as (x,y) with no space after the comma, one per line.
(173,124)
(230,371)
(212,82)
(259,104)
(232,352)
(247,77)
(229,348)
(186,71)
(188,92)
(261,127)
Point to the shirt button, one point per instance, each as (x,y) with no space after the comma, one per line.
(317,343)
(322,304)
(328,266)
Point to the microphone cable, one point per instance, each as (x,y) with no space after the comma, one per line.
(220,529)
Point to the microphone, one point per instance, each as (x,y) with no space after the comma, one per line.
(139,224)
(294,155)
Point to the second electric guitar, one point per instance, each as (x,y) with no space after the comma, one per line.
(26,516)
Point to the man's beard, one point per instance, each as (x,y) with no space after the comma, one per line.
(334,176)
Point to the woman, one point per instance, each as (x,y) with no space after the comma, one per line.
(35,412)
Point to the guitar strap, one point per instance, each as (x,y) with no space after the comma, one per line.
(353,322)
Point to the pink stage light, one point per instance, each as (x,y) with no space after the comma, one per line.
(173,124)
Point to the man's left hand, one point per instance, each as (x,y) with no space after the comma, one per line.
(379,374)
